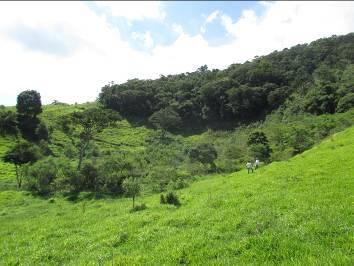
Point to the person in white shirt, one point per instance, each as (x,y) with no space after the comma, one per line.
(257,163)
(249,167)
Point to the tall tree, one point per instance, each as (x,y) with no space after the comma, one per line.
(83,127)
(28,106)
(259,146)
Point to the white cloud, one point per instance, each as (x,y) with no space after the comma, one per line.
(284,24)
(134,10)
(146,38)
(177,28)
(99,54)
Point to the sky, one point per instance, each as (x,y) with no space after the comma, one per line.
(68,51)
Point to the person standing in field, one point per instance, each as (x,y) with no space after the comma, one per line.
(249,167)
(257,163)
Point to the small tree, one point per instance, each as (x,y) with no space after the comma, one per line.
(259,146)
(257,137)
(41,175)
(204,153)
(83,127)
(132,188)
(22,153)
(166,119)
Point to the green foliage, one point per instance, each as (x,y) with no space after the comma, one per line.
(166,119)
(22,153)
(82,127)
(90,176)
(346,103)
(28,107)
(278,96)
(8,123)
(29,103)
(42,132)
(305,78)
(257,137)
(179,183)
(259,145)
(233,212)
(260,151)
(172,199)
(204,153)
(247,102)
(41,175)
(132,188)
(321,100)
(112,171)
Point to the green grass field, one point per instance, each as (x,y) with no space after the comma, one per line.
(295,212)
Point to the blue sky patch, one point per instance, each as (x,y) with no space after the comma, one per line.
(190,15)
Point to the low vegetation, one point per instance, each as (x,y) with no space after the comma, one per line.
(296,212)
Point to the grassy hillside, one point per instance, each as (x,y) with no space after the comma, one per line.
(296,212)
(125,136)
(284,134)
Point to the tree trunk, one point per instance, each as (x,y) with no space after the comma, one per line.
(81,155)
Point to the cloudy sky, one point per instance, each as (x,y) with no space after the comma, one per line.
(68,50)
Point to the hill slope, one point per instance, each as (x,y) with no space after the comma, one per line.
(293,212)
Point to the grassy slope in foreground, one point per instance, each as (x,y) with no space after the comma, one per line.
(294,212)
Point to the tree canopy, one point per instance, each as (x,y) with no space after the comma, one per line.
(312,78)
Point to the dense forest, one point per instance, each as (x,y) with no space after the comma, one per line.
(314,78)
(207,121)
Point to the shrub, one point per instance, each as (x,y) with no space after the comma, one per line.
(41,176)
(8,123)
(89,172)
(172,198)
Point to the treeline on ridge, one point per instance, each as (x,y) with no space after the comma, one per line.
(316,78)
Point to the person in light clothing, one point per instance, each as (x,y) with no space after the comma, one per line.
(249,167)
(257,163)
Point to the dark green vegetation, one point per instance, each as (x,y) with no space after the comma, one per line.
(316,78)
(66,169)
